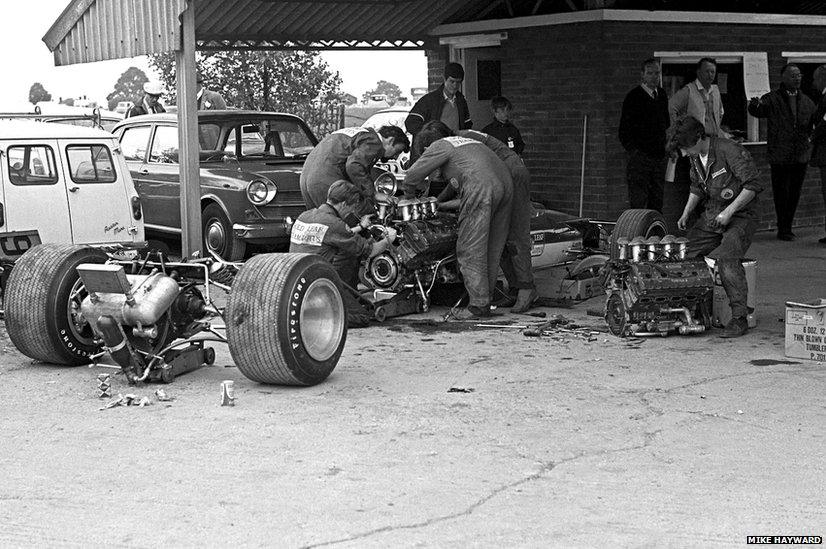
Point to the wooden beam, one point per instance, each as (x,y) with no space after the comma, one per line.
(188,144)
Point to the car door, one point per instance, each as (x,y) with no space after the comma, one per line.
(161,183)
(134,144)
(35,194)
(99,205)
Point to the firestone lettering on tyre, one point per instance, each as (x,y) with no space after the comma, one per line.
(295,324)
(70,346)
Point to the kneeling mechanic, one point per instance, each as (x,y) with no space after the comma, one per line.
(323,231)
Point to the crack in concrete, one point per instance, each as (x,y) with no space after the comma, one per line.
(544,469)
(648,439)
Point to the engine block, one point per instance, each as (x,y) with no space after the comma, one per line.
(657,291)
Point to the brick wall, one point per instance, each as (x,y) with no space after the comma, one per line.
(556,75)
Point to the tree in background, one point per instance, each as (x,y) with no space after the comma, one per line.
(38,93)
(296,82)
(129,87)
(383,87)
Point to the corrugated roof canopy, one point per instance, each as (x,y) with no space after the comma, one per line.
(94,30)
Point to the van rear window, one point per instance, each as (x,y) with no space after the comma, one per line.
(90,164)
(31,165)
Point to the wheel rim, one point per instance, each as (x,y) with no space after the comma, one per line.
(215,236)
(322,319)
(78,325)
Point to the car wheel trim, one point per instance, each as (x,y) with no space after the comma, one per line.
(215,236)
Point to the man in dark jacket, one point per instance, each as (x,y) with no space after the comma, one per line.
(150,103)
(819,132)
(791,115)
(485,193)
(643,123)
(348,154)
(724,178)
(446,103)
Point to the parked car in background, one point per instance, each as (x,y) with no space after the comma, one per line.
(63,184)
(65,114)
(391,117)
(250,164)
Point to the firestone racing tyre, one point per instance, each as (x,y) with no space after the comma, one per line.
(631,223)
(286,322)
(43,299)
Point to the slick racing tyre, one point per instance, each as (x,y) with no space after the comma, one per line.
(286,322)
(631,223)
(42,301)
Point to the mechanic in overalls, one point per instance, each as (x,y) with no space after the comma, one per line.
(349,154)
(724,178)
(485,195)
(323,231)
(516,257)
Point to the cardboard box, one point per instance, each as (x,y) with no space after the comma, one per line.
(806,330)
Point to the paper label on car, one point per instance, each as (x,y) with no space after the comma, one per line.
(351,132)
(721,171)
(457,141)
(310,234)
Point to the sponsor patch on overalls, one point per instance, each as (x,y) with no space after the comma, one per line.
(457,141)
(727,194)
(311,234)
(721,171)
(350,132)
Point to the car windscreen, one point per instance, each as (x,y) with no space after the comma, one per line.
(268,138)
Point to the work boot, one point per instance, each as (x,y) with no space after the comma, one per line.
(504,299)
(471,312)
(524,300)
(735,327)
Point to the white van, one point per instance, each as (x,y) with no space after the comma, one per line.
(64,184)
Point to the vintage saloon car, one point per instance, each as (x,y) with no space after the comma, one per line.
(250,165)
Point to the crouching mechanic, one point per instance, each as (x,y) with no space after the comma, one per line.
(349,154)
(516,257)
(724,177)
(323,231)
(485,193)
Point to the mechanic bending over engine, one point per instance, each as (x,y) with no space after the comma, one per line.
(349,154)
(323,231)
(516,258)
(724,178)
(485,194)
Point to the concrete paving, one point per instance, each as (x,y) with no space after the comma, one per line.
(682,442)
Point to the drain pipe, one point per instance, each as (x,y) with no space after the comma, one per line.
(582,167)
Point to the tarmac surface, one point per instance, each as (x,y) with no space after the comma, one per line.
(676,442)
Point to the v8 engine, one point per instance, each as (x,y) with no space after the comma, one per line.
(653,289)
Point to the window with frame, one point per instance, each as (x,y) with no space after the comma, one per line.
(164,145)
(90,164)
(133,143)
(679,69)
(31,165)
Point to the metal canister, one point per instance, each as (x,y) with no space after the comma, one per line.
(667,244)
(622,248)
(430,206)
(653,247)
(682,247)
(228,393)
(405,209)
(637,245)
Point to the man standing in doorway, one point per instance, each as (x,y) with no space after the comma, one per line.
(446,103)
(790,113)
(819,132)
(643,123)
(701,99)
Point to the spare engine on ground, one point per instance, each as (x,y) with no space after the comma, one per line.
(652,288)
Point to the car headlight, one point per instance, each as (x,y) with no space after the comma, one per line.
(261,192)
(386,183)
